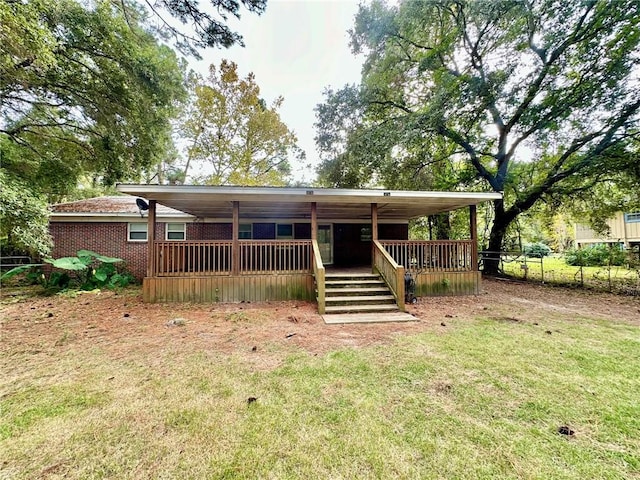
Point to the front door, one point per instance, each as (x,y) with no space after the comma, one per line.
(325,243)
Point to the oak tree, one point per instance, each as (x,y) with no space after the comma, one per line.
(538,99)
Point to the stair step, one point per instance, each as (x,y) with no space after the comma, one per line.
(382,299)
(360,308)
(351,275)
(356,291)
(346,283)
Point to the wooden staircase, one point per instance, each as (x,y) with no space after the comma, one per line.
(357,293)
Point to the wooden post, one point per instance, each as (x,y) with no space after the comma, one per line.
(235,263)
(374,221)
(374,232)
(314,221)
(151,239)
(400,288)
(473,227)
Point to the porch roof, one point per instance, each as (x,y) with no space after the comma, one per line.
(286,202)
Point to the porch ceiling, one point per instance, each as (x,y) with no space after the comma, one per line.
(280,202)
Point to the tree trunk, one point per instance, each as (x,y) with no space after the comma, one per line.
(496,238)
(442,224)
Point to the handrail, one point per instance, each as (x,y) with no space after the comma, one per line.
(433,255)
(318,272)
(274,256)
(392,273)
(179,258)
(193,257)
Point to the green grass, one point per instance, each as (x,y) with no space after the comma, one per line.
(557,271)
(483,399)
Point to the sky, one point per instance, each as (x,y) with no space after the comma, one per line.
(296,49)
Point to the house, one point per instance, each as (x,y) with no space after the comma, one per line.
(113,226)
(624,229)
(275,243)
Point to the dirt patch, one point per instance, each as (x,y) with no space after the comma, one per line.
(121,322)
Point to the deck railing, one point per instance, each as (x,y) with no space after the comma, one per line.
(318,272)
(432,256)
(392,273)
(202,258)
(177,258)
(275,256)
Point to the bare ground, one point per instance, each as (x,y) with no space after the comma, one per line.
(120,323)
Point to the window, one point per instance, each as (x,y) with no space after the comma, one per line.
(176,231)
(632,217)
(284,231)
(137,232)
(245,231)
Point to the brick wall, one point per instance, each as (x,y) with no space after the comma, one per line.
(105,238)
(209,231)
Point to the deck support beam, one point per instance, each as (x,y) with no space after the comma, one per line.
(374,221)
(151,239)
(314,221)
(473,228)
(235,262)
(374,233)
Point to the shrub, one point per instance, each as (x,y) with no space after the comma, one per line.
(596,256)
(536,250)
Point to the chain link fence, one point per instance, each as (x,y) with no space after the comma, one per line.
(554,270)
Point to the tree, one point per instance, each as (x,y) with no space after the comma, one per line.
(85,93)
(23,217)
(84,86)
(536,99)
(209,29)
(230,130)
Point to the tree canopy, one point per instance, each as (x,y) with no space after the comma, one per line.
(207,24)
(83,87)
(233,132)
(84,91)
(536,99)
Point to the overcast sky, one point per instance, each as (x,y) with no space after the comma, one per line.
(296,49)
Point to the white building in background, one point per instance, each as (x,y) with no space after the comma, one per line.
(624,229)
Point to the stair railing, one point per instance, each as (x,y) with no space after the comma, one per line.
(391,272)
(318,272)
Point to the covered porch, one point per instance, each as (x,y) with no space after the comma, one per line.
(304,225)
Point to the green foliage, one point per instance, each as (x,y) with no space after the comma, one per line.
(92,270)
(85,93)
(210,30)
(596,255)
(56,281)
(84,89)
(231,130)
(68,263)
(536,250)
(23,217)
(16,271)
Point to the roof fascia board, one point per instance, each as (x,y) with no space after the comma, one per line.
(300,194)
(321,220)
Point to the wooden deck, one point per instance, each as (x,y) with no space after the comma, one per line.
(217,289)
(255,271)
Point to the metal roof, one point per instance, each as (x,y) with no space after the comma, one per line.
(285,202)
